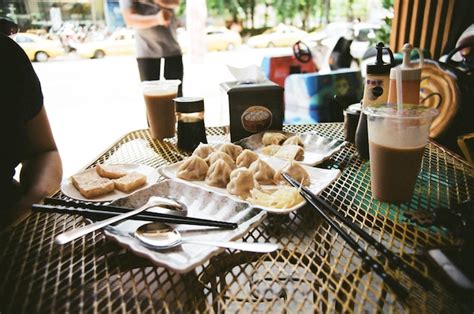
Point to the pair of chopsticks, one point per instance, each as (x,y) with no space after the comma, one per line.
(324,208)
(96,212)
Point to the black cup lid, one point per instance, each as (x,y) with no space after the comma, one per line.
(189,104)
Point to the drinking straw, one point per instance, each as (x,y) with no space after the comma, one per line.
(398,78)
(162,69)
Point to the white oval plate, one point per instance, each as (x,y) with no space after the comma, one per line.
(320,179)
(151,177)
(200,204)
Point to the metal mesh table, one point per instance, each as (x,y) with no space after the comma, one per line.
(315,270)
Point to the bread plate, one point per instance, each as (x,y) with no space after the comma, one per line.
(320,179)
(201,204)
(70,190)
(317,148)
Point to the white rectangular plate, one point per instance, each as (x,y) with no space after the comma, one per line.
(200,204)
(317,148)
(320,178)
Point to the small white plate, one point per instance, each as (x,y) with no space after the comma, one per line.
(320,179)
(200,204)
(151,177)
(317,148)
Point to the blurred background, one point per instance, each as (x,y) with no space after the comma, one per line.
(84,56)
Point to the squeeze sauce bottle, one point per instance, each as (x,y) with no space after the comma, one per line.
(377,80)
(410,76)
(375,94)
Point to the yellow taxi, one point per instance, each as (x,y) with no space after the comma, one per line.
(121,42)
(38,48)
(222,38)
(217,38)
(280,36)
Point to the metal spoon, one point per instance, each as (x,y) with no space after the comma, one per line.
(71,235)
(163,236)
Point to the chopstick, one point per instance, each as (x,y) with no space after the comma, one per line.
(149,216)
(366,258)
(393,259)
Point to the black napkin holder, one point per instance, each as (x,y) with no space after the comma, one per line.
(253,107)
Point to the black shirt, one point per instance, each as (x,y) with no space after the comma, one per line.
(21,99)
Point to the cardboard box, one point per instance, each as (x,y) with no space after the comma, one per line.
(253,107)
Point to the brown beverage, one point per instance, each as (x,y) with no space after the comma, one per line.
(161,114)
(394,172)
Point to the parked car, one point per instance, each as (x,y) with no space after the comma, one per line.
(37,48)
(280,36)
(217,38)
(222,38)
(121,42)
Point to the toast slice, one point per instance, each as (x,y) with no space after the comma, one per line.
(91,185)
(130,182)
(110,171)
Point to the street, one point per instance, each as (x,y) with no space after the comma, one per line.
(92,103)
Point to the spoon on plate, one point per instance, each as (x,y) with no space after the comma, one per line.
(163,236)
(153,202)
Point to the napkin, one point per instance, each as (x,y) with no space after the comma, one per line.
(249,74)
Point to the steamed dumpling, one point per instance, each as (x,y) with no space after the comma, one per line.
(294,140)
(218,155)
(273,138)
(271,149)
(218,174)
(193,168)
(231,149)
(245,158)
(203,150)
(295,170)
(262,172)
(241,182)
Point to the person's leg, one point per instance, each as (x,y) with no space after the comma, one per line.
(149,68)
(174,71)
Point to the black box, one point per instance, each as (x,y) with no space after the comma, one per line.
(254,107)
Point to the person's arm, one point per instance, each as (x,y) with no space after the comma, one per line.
(168,4)
(144,21)
(41,171)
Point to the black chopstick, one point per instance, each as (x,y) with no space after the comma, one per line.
(148,216)
(393,259)
(366,258)
(90,205)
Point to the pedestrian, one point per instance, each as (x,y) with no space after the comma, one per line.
(27,137)
(155,27)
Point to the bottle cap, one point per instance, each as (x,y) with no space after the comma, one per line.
(189,104)
(410,71)
(381,67)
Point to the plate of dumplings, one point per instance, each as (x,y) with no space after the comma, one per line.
(308,148)
(244,175)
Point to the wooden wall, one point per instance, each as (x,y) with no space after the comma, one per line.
(426,24)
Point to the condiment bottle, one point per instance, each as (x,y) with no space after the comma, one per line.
(410,74)
(190,117)
(377,79)
(375,94)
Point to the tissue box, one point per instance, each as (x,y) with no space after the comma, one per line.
(253,107)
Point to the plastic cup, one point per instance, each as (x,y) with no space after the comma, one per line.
(160,108)
(396,143)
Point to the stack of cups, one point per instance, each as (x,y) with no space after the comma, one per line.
(160,108)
